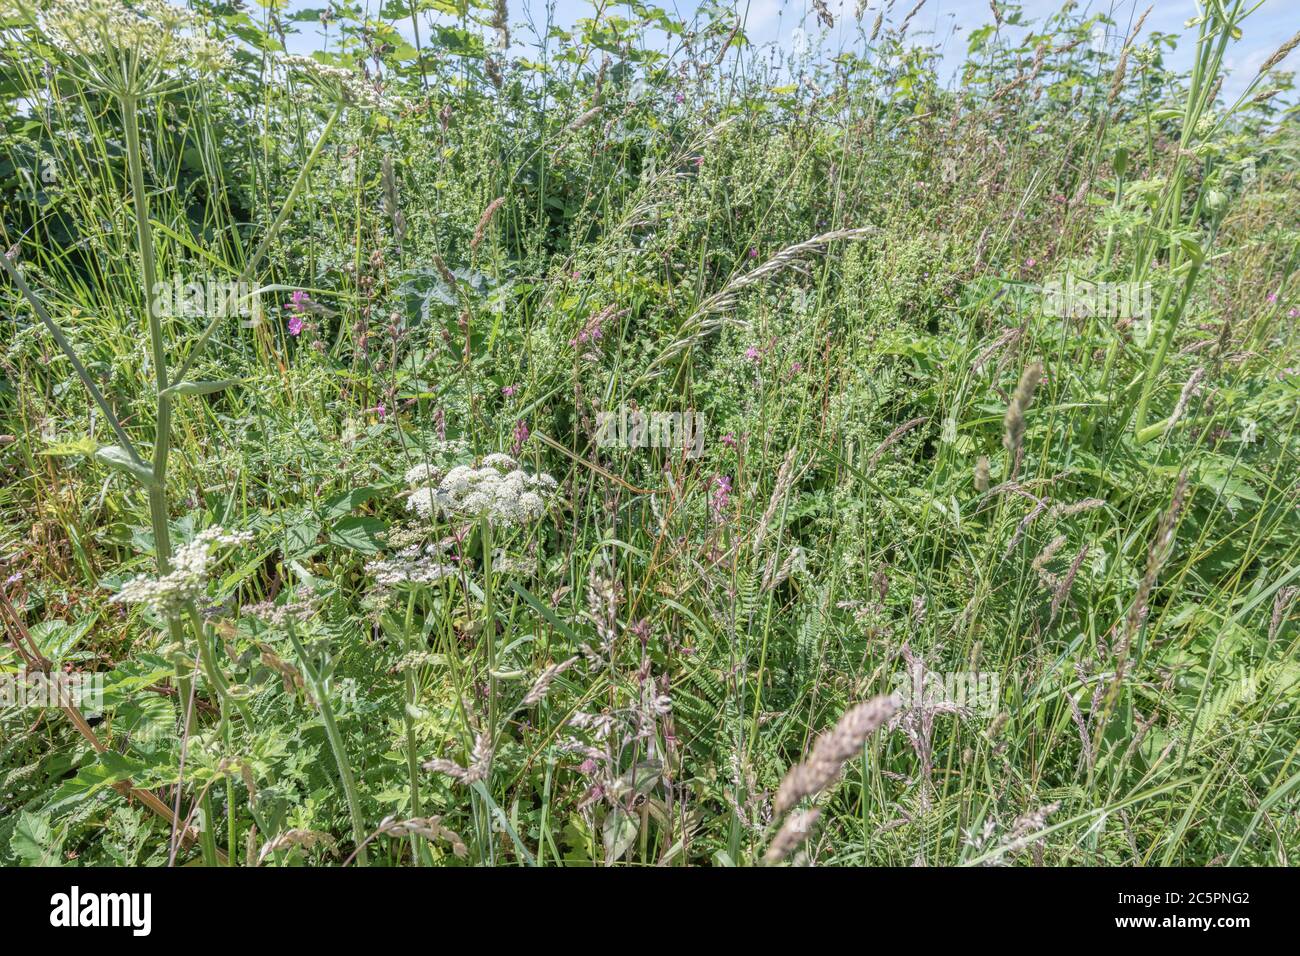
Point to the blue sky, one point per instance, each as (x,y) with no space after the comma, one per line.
(945,23)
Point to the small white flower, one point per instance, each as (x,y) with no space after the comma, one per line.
(413,565)
(499,491)
(188,579)
(422,474)
(423,501)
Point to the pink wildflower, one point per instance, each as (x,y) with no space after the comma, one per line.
(721,496)
(520,436)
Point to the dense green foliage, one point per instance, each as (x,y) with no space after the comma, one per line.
(911,460)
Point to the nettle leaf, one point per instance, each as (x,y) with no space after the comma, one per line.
(359,533)
(148,725)
(121,683)
(57,638)
(34,841)
(346,503)
(109,768)
(300,538)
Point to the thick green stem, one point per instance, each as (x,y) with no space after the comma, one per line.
(157,488)
(408,717)
(1162,349)
(217,679)
(336,744)
(207,836)
(489,631)
(158,351)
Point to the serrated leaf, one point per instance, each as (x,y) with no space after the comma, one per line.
(81,446)
(34,841)
(300,538)
(358,533)
(346,503)
(109,768)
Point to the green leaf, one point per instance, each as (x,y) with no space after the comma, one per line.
(359,533)
(115,456)
(81,446)
(1192,247)
(200,388)
(57,638)
(346,503)
(619,831)
(34,841)
(300,538)
(109,768)
(121,683)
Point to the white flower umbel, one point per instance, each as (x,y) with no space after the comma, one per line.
(188,579)
(413,565)
(499,491)
(129,46)
(436,454)
(423,474)
(347,85)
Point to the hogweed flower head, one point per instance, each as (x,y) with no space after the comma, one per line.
(413,565)
(300,610)
(498,490)
(128,49)
(342,85)
(188,579)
